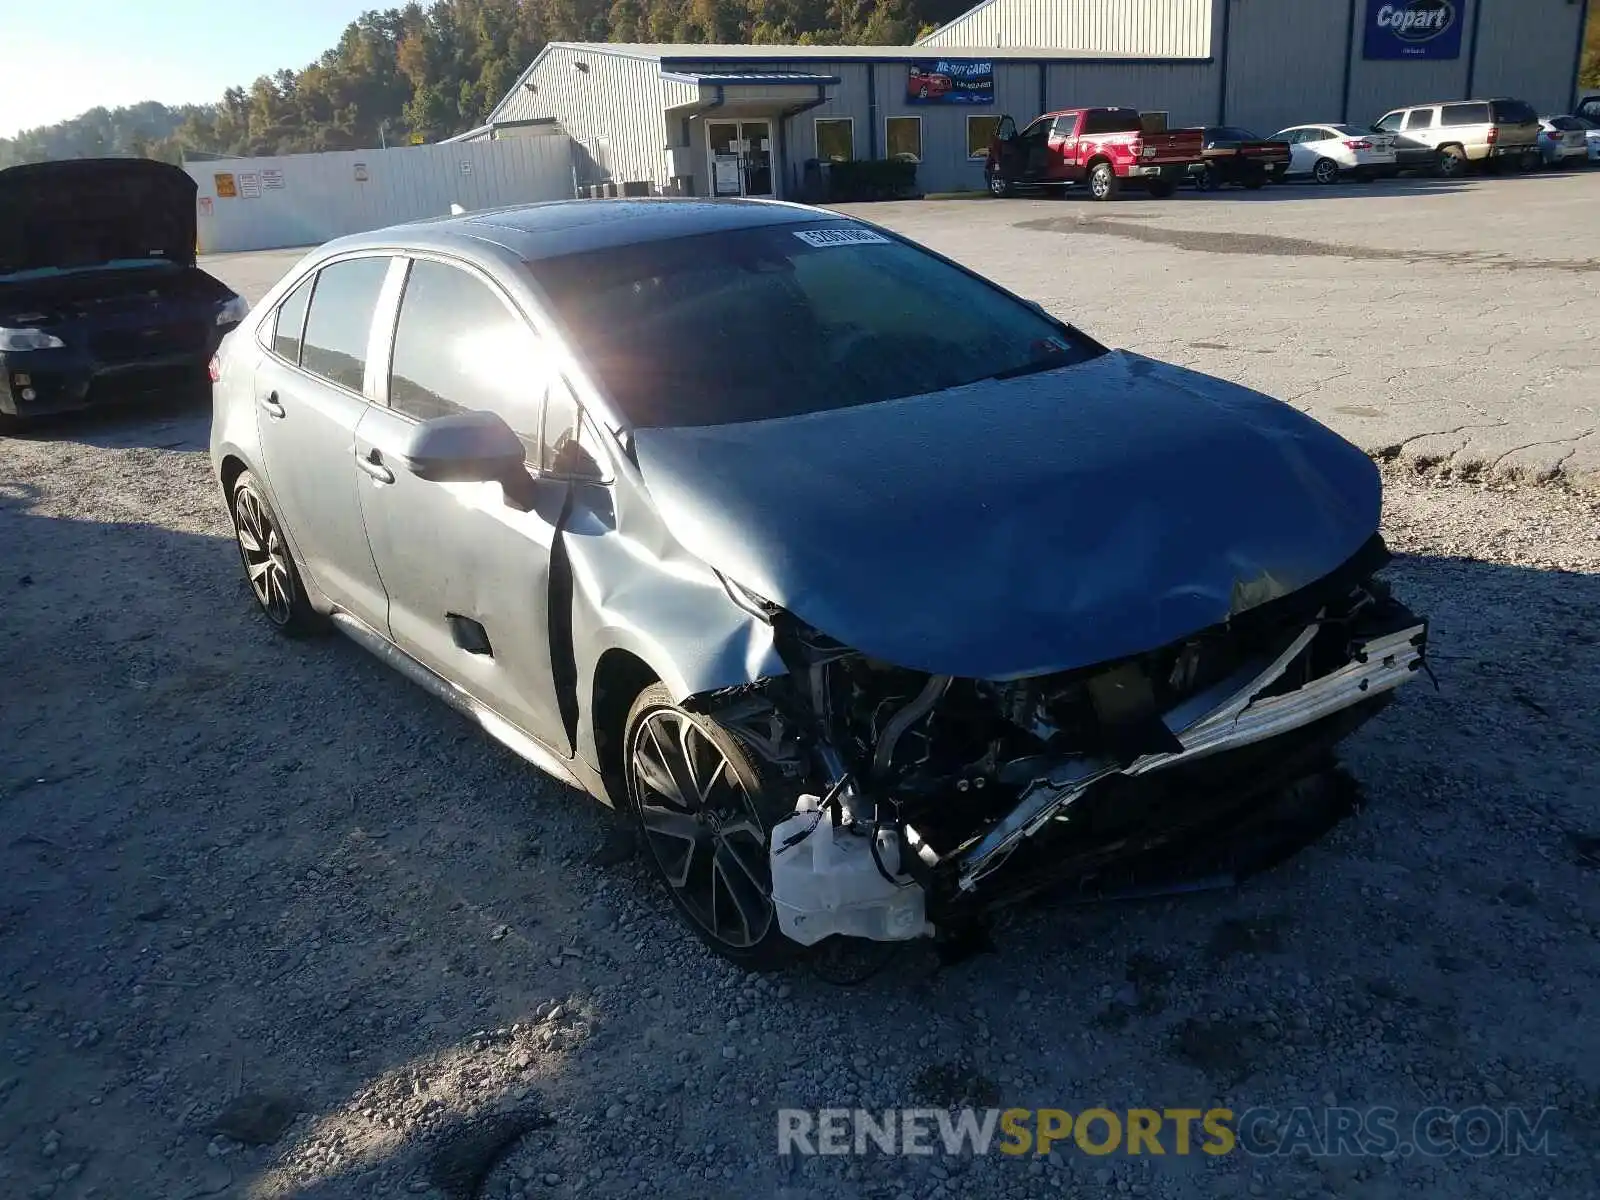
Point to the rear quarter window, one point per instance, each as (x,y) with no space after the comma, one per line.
(1120,120)
(1464,114)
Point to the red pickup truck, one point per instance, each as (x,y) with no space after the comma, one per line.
(1107,148)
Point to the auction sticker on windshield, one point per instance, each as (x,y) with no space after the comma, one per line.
(839,237)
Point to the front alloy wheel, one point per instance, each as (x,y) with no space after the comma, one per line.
(702,812)
(1326,171)
(268,566)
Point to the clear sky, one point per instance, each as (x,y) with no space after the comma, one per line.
(60,57)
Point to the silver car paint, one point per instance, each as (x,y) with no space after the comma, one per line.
(633,588)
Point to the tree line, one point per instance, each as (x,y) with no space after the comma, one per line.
(422,72)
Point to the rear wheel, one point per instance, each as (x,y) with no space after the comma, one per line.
(704,815)
(1207,180)
(1103,182)
(1452,162)
(1325,171)
(268,565)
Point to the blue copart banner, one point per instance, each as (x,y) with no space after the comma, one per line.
(1428,29)
(950,81)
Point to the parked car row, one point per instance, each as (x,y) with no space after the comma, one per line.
(1108,149)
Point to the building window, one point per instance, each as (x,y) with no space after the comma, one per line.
(980,133)
(903,138)
(836,139)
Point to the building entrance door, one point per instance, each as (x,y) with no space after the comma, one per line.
(741,158)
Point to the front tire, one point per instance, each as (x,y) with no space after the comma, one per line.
(269,566)
(1000,187)
(1103,182)
(1325,171)
(704,814)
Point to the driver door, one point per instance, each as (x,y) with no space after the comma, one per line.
(467,573)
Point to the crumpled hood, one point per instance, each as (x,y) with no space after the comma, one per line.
(87,212)
(1017,527)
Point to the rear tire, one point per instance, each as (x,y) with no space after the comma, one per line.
(704,814)
(269,566)
(1103,182)
(1207,180)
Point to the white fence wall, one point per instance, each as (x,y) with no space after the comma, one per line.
(306,199)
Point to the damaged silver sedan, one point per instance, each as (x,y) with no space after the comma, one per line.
(876,596)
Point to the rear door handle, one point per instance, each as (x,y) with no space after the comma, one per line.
(271,406)
(372,464)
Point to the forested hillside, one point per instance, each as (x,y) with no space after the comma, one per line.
(427,71)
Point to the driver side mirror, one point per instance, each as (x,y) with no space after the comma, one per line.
(469,447)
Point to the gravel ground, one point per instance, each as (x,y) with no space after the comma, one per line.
(248,880)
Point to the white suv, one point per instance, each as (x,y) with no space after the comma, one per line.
(1449,135)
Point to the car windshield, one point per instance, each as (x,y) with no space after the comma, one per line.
(116,264)
(777,321)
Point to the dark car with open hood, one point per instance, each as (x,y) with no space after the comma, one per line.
(874,595)
(100,297)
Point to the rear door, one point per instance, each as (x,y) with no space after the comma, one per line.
(310,396)
(1416,143)
(467,574)
(1061,158)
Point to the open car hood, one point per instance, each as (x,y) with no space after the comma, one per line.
(1018,527)
(86,213)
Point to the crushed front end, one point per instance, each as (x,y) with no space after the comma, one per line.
(946,797)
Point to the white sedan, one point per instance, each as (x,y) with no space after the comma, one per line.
(1325,152)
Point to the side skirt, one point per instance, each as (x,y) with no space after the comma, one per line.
(524,745)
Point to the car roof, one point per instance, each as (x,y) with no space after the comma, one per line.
(556,227)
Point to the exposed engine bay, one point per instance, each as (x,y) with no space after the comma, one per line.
(923,800)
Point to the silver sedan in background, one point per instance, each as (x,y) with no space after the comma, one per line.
(1564,141)
(875,595)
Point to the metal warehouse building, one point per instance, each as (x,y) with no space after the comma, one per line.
(743,120)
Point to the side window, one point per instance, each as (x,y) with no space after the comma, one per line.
(1063,127)
(1419,118)
(570,447)
(1390,123)
(341,320)
(460,348)
(289,323)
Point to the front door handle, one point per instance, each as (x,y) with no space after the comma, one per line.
(372,464)
(271,406)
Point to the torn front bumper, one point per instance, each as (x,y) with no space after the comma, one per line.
(1252,707)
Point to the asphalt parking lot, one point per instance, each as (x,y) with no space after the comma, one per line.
(241,868)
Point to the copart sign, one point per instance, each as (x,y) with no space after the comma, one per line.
(1415,28)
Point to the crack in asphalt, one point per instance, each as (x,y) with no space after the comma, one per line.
(1271,245)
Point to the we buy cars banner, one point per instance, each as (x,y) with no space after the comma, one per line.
(950,81)
(1415,28)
